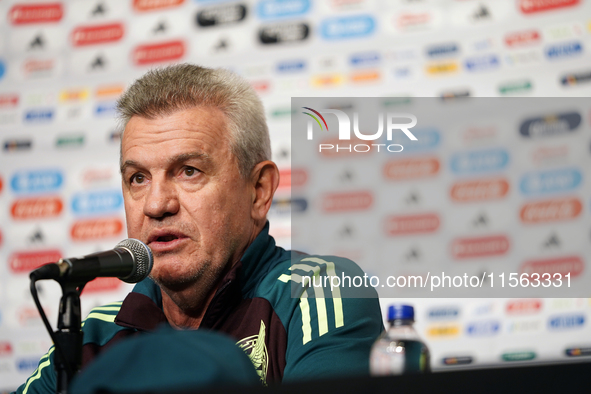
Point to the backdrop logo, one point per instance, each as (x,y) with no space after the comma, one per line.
(531,6)
(348,27)
(36,181)
(268,9)
(344,130)
(97,202)
(21,14)
(90,35)
(35,208)
(551,181)
(221,15)
(483,328)
(572,265)
(525,306)
(479,161)
(86,230)
(412,224)
(415,168)
(550,125)
(566,322)
(27,261)
(156,53)
(466,248)
(447,313)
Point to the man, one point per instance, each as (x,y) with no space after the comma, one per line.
(197,183)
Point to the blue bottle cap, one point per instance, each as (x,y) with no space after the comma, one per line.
(406,312)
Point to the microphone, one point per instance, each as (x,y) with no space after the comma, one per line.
(131,261)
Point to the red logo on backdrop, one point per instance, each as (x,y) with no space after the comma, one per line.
(531,6)
(411,168)
(412,224)
(90,35)
(1,185)
(156,53)
(522,38)
(85,230)
(34,208)
(551,210)
(8,100)
(410,20)
(5,348)
(102,284)
(489,189)
(150,5)
(349,201)
(466,248)
(519,307)
(292,177)
(549,153)
(21,14)
(97,175)
(260,86)
(38,66)
(564,265)
(28,261)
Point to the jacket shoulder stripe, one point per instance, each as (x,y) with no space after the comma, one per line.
(37,374)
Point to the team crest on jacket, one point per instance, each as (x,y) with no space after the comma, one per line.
(254,346)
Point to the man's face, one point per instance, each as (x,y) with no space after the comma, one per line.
(184,196)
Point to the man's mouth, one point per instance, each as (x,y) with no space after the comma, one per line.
(166,238)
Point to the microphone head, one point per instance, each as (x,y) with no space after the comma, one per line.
(142,257)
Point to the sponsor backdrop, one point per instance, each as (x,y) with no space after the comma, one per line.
(63,64)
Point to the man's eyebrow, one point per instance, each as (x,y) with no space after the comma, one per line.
(180,158)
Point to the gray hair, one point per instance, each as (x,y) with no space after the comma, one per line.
(163,91)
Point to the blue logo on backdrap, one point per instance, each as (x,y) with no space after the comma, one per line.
(479,161)
(482,63)
(39,115)
(36,181)
(97,202)
(365,59)
(564,50)
(27,364)
(2,69)
(551,181)
(106,108)
(291,66)
(566,322)
(268,9)
(444,313)
(347,27)
(483,328)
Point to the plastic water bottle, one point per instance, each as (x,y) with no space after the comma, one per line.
(399,350)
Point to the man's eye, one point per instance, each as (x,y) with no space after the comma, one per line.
(190,171)
(137,178)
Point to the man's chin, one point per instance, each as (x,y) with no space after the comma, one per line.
(173,284)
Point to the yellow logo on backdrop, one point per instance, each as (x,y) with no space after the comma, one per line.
(442,68)
(69,95)
(329,80)
(447,330)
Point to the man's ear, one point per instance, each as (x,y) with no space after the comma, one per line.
(265,179)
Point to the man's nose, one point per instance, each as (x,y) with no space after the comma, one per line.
(161,200)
